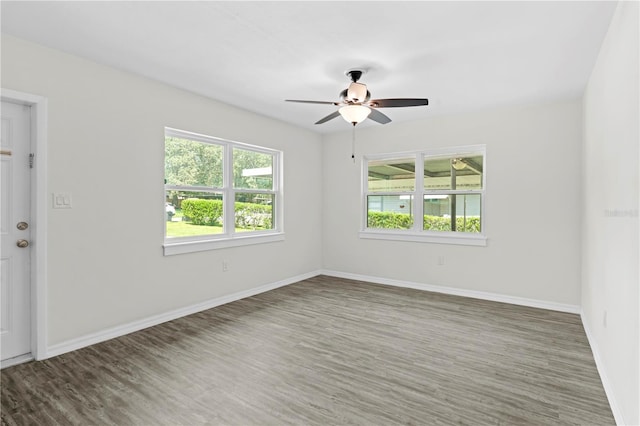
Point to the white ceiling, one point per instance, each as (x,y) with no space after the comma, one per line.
(463,56)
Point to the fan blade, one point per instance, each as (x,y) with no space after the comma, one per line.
(312,102)
(328,117)
(399,102)
(379,117)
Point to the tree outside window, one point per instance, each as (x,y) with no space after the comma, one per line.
(215,188)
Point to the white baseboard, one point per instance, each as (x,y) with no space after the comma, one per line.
(573,309)
(606,384)
(553,306)
(15,361)
(101,336)
(92,339)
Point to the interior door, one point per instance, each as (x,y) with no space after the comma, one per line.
(15,230)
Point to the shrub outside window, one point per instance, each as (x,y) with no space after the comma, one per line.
(430,196)
(219,193)
(390,189)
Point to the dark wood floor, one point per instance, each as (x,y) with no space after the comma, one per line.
(325,351)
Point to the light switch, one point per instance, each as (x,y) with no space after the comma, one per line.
(61,200)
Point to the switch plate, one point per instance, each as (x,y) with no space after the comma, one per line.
(61,200)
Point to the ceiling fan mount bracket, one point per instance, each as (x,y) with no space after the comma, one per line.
(355,75)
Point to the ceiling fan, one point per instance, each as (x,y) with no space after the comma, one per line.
(356,104)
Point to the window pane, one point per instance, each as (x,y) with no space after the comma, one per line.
(252,170)
(453,173)
(193,213)
(254,211)
(192,163)
(390,211)
(443,211)
(392,175)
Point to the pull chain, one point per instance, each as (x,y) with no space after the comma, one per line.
(353,143)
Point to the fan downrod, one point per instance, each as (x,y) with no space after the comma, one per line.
(354,75)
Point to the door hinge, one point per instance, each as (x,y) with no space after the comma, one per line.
(32,156)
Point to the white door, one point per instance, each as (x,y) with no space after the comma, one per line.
(15,229)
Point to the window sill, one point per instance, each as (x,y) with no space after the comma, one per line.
(182,247)
(431,237)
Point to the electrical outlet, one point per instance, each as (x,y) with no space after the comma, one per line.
(440,260)
(225,265)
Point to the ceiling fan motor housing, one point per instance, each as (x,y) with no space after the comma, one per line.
(357,92)
(344,97)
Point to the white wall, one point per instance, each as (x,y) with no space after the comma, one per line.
(106,148)
(532,206)
(610,228)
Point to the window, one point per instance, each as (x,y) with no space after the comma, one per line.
(430,196)
(219,193)
(391,185)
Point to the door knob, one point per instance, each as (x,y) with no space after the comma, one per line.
(22,243)
(22,226)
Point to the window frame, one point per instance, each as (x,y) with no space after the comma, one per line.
(416,233)
(229,237)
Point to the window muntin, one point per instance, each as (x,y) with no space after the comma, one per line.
(216,190)
(390,184)
(451,183)
(453,190)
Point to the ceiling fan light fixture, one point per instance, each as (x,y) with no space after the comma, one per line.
(357,104)
(354,113)
(357,92)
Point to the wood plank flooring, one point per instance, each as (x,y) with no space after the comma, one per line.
(325,351)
